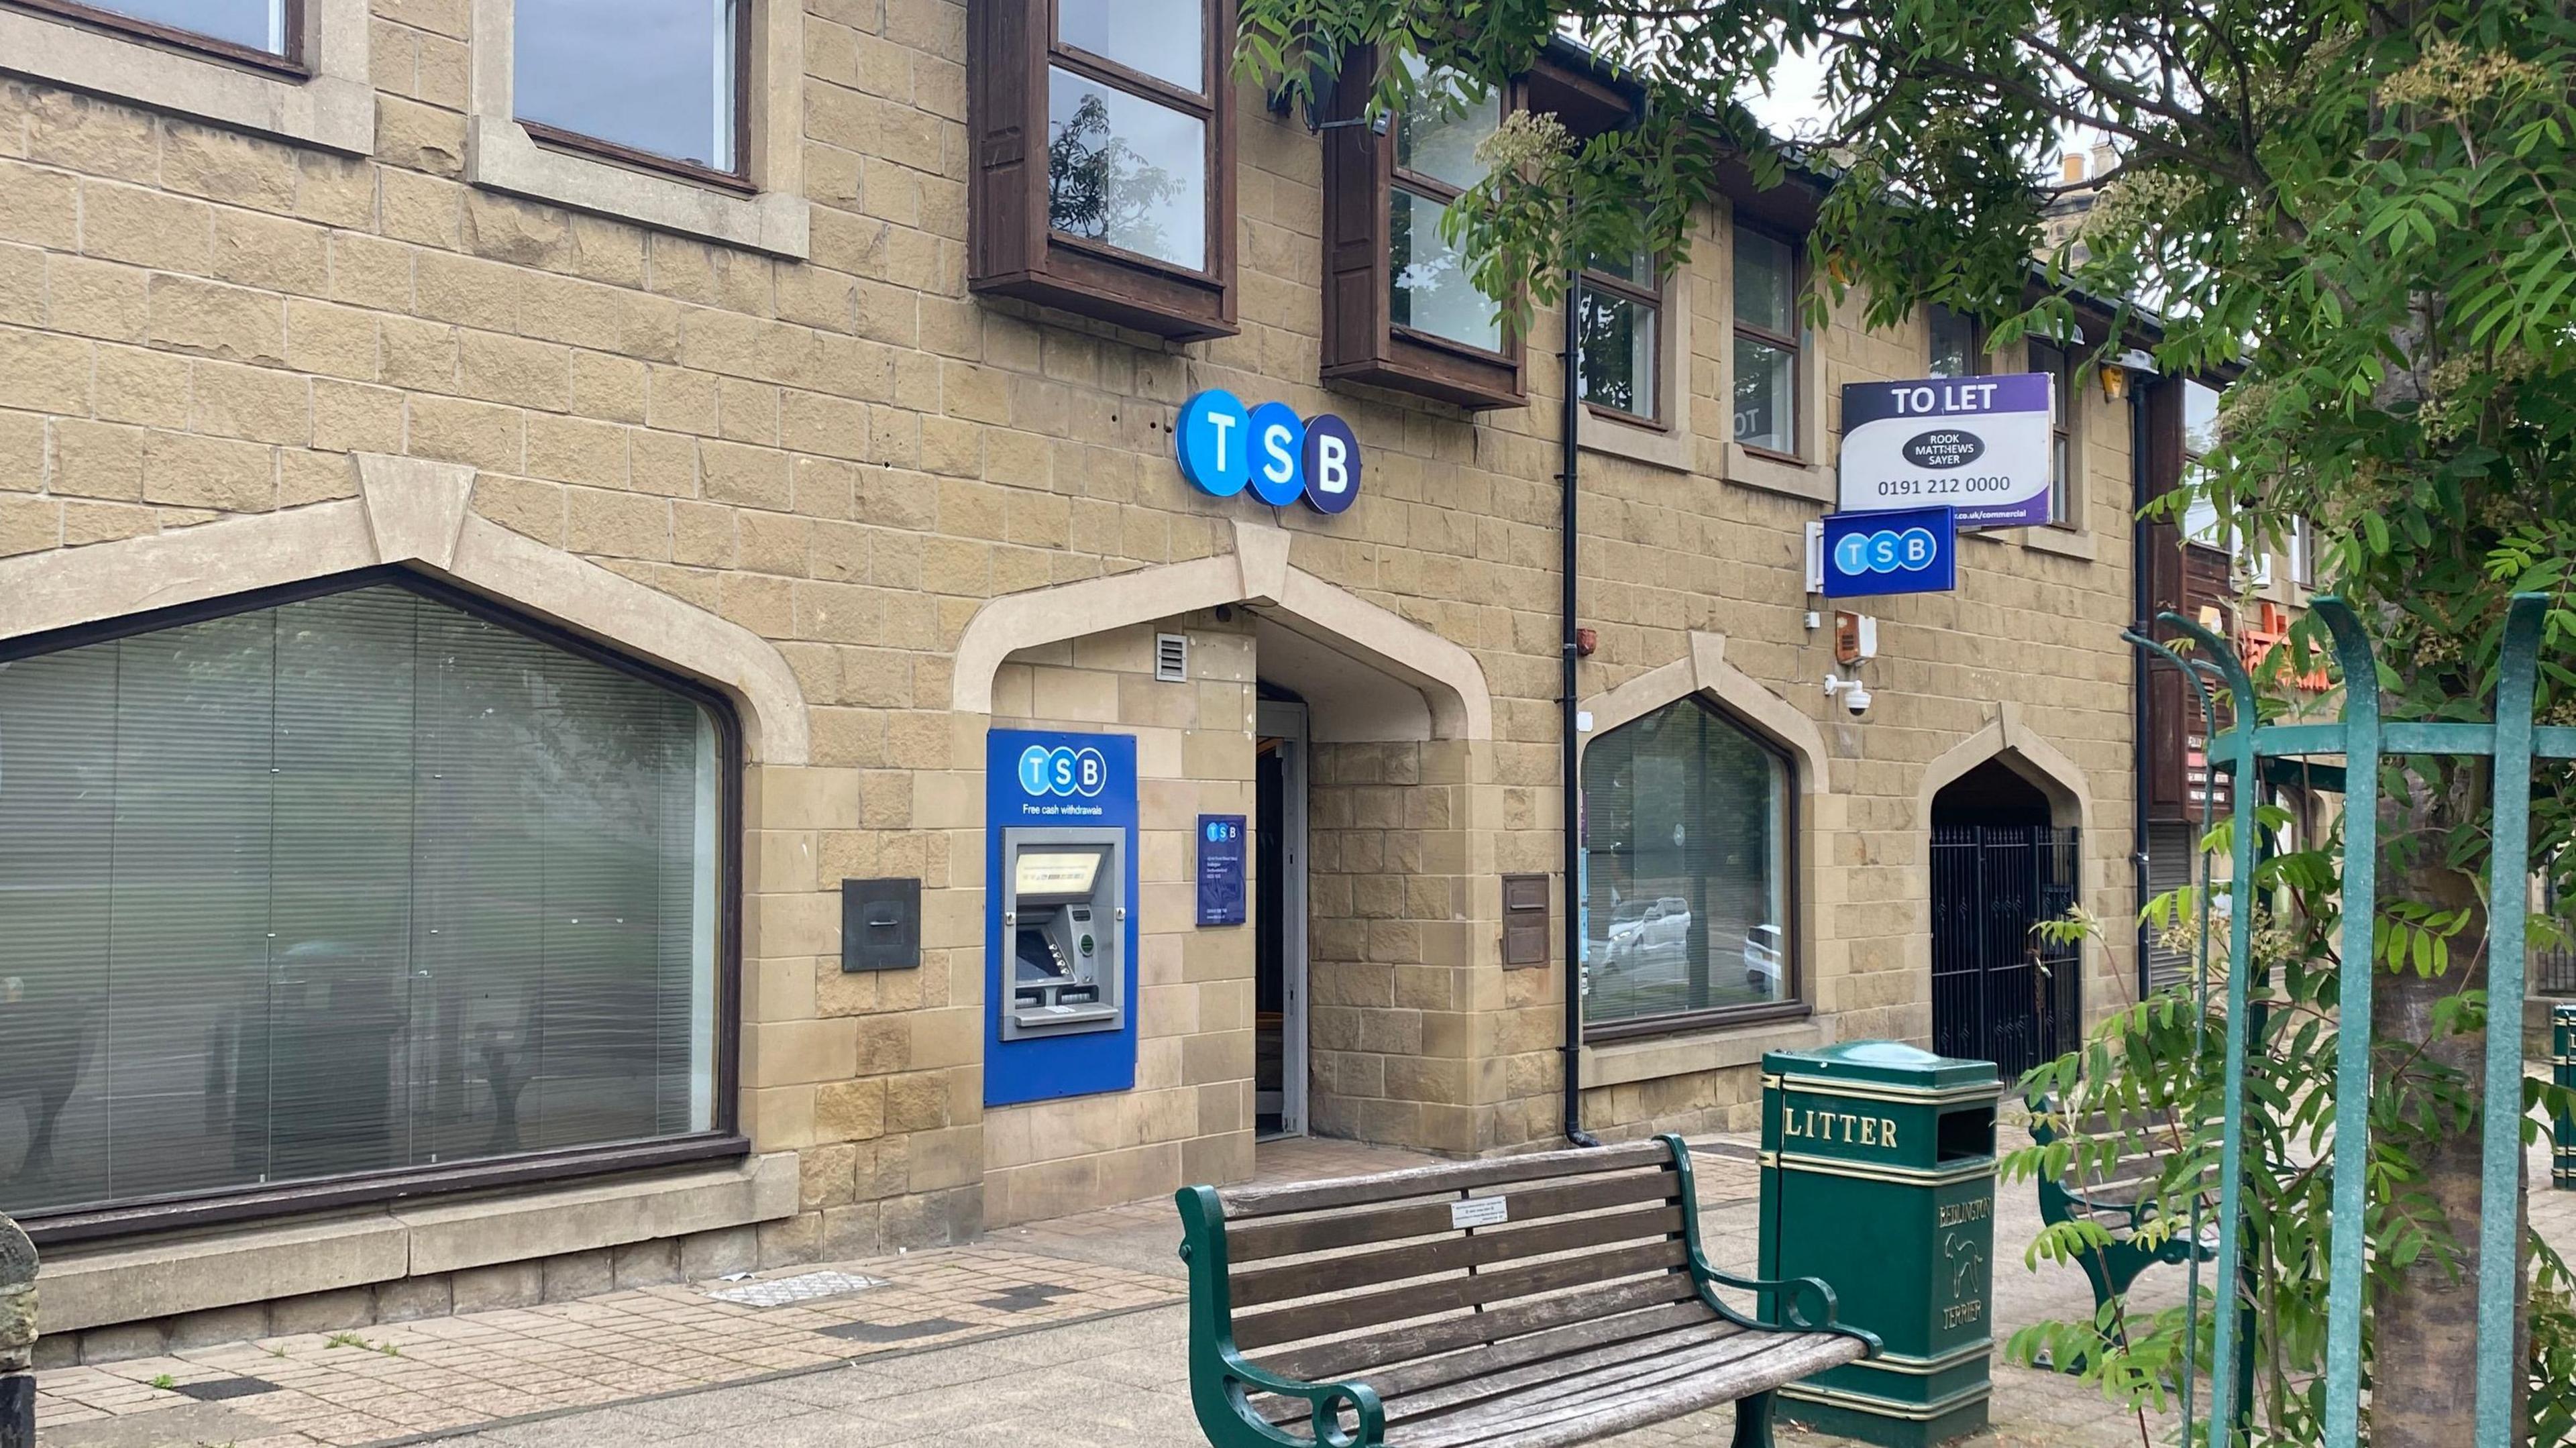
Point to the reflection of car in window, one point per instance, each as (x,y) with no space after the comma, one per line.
(1762,950)
(1659,943)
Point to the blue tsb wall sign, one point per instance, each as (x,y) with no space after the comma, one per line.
(1915,550)
(1225,447)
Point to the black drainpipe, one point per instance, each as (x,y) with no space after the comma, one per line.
(2142,588)
(1565,477)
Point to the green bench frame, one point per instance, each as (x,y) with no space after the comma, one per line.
(1347,1411)
(2112,1267)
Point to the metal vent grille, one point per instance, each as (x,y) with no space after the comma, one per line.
(1171,658)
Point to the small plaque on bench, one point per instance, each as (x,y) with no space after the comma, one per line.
(1480,1212)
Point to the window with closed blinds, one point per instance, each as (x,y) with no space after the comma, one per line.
(1685,829)
(346,884)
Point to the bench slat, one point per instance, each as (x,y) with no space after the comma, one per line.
(1422,1259)
(1721,1371)
(1261,1240)
(1421,1181)
(1793,1357)
(1588,1367)
(1346,1314)
(1350,1357)
(1484,1359)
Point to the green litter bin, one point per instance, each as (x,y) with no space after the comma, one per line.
(1878,1175)
(2562,1060)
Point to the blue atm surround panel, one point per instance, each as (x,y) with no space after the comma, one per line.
(1050,785)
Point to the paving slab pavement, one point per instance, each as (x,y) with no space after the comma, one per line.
(960,1348)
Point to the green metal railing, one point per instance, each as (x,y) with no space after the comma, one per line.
(2247,751)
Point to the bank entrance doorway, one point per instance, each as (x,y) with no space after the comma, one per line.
(1999,867)
(1279,1057)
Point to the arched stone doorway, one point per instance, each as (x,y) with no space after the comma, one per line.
(1355,744)
(2005,815)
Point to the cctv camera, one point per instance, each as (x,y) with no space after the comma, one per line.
(1853,693)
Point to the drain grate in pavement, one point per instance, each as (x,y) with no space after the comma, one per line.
(1024,1297)
(891,1331)
(804,1287)
(222,1390)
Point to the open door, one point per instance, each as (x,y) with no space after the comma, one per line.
(1279,922)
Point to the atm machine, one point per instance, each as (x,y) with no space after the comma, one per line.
(1061,908)
(1064,915)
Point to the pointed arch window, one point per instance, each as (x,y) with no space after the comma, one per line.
(353,888)
(1688,818)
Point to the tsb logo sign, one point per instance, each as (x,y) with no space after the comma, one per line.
(1225,447)
(1075,773)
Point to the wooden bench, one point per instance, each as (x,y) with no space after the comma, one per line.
(2121,1203)
(1522,1302)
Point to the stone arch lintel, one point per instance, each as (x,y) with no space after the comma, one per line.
(1257,574)
(416,513)
(1703,670)
(2008,738)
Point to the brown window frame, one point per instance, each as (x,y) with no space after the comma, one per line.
(1793,345)
(1793,1003)
(724,1138)
(1012,252)
(2062,434)
(1653,298)
(292,63)
(1362,342)
(1976,358)
(738,179)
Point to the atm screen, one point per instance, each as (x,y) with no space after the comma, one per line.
(1067,872)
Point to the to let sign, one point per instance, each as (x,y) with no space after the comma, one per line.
(1913,551)
(1982,446)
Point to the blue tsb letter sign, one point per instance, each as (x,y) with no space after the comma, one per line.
(1224,448)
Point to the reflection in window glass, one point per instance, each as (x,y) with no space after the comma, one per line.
(1125,171)
(2051,359)
(1617,334)
(1766,395)
(1685,896)
(1161,38)
(1431,289)
(1954,343)
(1765,283)
(652,75)
(346,884)
(252,24)
(1438,136)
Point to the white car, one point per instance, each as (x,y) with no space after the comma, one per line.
(1658,944)
(1762,957)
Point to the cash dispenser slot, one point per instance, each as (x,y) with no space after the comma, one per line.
(1064,916)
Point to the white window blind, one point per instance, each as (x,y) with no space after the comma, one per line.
(346,884)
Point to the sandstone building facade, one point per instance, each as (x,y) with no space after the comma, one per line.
(503,514)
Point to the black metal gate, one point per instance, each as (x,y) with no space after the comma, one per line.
(1998,993)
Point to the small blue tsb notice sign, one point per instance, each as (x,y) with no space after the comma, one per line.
(1221,874)
(1912,550)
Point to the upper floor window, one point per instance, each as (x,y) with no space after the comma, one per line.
(1428,288)
(296,70)
(1766,342)
(2063,495)
(1957,349)
(1103,180)
(653,82)
(1619,313)
(262,32)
